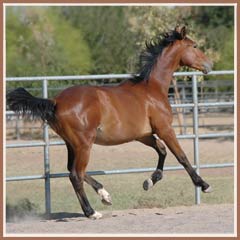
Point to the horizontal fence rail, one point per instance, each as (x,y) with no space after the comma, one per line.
(119,171)
(46,143)
(109,76)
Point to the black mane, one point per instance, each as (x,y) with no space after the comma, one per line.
(153,49)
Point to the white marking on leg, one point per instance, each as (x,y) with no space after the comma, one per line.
(208,190)
(147,184)
(96,215)
(105,196)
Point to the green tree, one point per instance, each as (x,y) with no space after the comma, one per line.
(40,42)
(106,30)
(218,25)
(149,21)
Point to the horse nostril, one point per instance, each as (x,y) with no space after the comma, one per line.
(208,66)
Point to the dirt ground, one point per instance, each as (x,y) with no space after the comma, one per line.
(204,219)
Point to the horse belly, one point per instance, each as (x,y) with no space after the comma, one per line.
(115,134)
(124,117)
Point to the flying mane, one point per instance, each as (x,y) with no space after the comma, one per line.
(153,49)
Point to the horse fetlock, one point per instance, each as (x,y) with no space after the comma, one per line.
(95,215)
(157,176)
(105,196)
(205,187)
(198,181)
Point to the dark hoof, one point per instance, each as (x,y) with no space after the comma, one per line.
(147,184)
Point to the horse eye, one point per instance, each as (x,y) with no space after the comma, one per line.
(195,45)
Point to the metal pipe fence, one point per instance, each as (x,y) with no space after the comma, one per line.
(46,143)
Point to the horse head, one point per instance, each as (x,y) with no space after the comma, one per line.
(191,55)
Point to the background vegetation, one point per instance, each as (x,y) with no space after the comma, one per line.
(106,39)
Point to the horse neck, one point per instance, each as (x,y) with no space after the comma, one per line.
(161,75)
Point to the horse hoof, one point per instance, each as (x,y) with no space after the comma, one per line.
(105,196)
(96,215)
(107,202)
(147,184)
(208,190)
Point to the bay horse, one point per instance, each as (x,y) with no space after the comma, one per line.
(135,109)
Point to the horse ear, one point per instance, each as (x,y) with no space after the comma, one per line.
(183,32)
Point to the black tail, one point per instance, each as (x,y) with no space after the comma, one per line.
(24,103)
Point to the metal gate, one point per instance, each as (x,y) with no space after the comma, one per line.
(46,143)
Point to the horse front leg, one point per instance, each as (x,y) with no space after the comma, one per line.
(159,147)
(168,136)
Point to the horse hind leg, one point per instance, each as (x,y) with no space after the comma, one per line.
(81,195)
(158,146)
(81,149)
(71,156)
(100,190)
(97,186)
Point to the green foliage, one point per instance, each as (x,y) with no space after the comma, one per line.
(106,39)
(218,33)
(106,30)
(226,60)
(213,16)
(148,22)
(40,42)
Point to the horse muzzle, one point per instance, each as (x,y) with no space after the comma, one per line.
(207,67)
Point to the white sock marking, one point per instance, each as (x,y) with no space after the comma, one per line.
(96,215)
(105,196)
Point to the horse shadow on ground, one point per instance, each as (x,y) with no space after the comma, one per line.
(63,217)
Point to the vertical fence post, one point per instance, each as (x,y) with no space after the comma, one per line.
(184,110)
(17,128)
(46,157)
(195,132)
